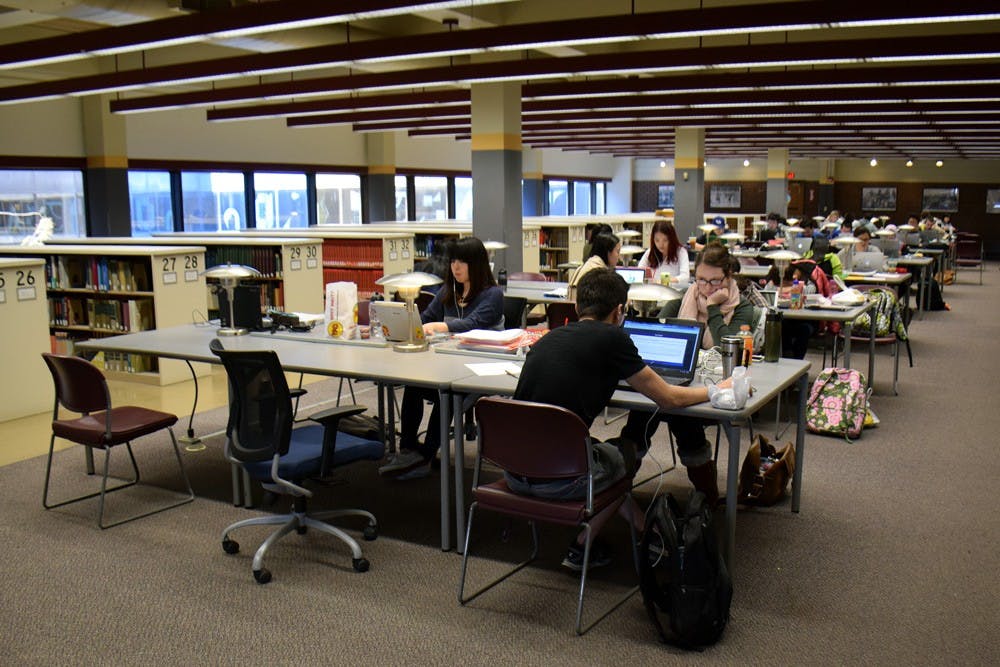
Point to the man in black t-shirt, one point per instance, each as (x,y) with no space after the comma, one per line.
(577,367)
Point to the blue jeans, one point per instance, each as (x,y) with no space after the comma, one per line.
(607,467)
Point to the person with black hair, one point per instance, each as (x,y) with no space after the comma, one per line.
(604,254)
(578,367)
(470,299)
(666,255)
(592,231)
(714,299)
(774,221)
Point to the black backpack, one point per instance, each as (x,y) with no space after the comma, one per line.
(684,581)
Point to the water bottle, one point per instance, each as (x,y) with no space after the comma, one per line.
(502,279)
(772,336)
(731,350)
(747,344)
(374,324)
(795,296)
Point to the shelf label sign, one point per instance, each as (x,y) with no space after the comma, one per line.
(170,278)
(296,265)
(26,294)
(191,276)
(3,296)
(311,263)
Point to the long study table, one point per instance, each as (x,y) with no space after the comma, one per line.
(363,362)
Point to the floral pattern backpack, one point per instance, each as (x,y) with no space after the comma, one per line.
(838,403)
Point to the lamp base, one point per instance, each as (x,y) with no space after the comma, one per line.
(229,331)
(410,347)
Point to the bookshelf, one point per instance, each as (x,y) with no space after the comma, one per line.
(292,267)
(24,330)
(560,241)
(95,290)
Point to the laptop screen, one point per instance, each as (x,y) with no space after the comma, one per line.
(631,275)
(668,347)
(868,261)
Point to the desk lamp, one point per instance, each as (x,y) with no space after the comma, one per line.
(732,238)
(229,275)
(630,250)
(408,285)
(492,247)
(628,234)
(645,297)
(781,259)
(908,234)
(818,218)
(791,231)
(830,225)
(709,230)
(848,242)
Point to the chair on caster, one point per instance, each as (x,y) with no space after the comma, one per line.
(260,437)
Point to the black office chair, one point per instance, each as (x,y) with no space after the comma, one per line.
(261,439)
(515,309)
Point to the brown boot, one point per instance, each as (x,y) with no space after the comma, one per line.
(704,478)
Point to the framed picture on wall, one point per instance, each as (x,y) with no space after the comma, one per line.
(993,201)
(665,196)
(878,199)
(940,199)
(724,196)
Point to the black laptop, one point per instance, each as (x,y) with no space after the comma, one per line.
(670,346)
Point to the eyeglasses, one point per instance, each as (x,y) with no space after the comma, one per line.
(715,282)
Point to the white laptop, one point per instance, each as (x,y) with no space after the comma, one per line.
(394,318)
(801,244)
(868,262)
(632,275)
(670,346)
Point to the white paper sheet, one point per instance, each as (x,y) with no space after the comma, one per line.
(495,368)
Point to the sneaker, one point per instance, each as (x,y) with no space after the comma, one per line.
(417,472)
(600,556)
(403,461)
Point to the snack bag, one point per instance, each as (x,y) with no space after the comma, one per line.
(341,309)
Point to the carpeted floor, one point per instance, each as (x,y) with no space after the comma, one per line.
(892,560)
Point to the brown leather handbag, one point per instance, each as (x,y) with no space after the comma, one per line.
(765,473)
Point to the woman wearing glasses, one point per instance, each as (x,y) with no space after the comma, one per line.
(714,299)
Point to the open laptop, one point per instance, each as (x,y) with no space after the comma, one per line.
(801,244)
(670,347)
(632,275)
(394,318)
(868,262)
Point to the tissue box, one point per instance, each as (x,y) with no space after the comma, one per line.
(341,309)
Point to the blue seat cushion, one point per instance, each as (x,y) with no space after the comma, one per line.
(305,453)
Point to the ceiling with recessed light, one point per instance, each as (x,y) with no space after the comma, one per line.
(889,79)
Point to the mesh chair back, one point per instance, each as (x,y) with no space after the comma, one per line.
(80,387)
(261,407)
(515,309)
(532,439)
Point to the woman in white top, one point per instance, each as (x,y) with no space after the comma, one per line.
(605,250)
(666,255)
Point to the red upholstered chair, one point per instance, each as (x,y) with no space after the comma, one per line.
(528,275)
(541,441)
(560,313)
(969,254)
(81,388)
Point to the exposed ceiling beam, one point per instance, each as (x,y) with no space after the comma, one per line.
(890,49)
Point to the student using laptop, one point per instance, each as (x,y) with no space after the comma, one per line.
(714,299)
(666,255)
(470,300)
(578,366)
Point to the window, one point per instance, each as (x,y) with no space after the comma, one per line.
(581,198)
(213,201)
(600,204)
(338,199)
(431,195)
(280,200)
(149,202)
(402,198)
(28,195)
(558,200)
(463,197)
